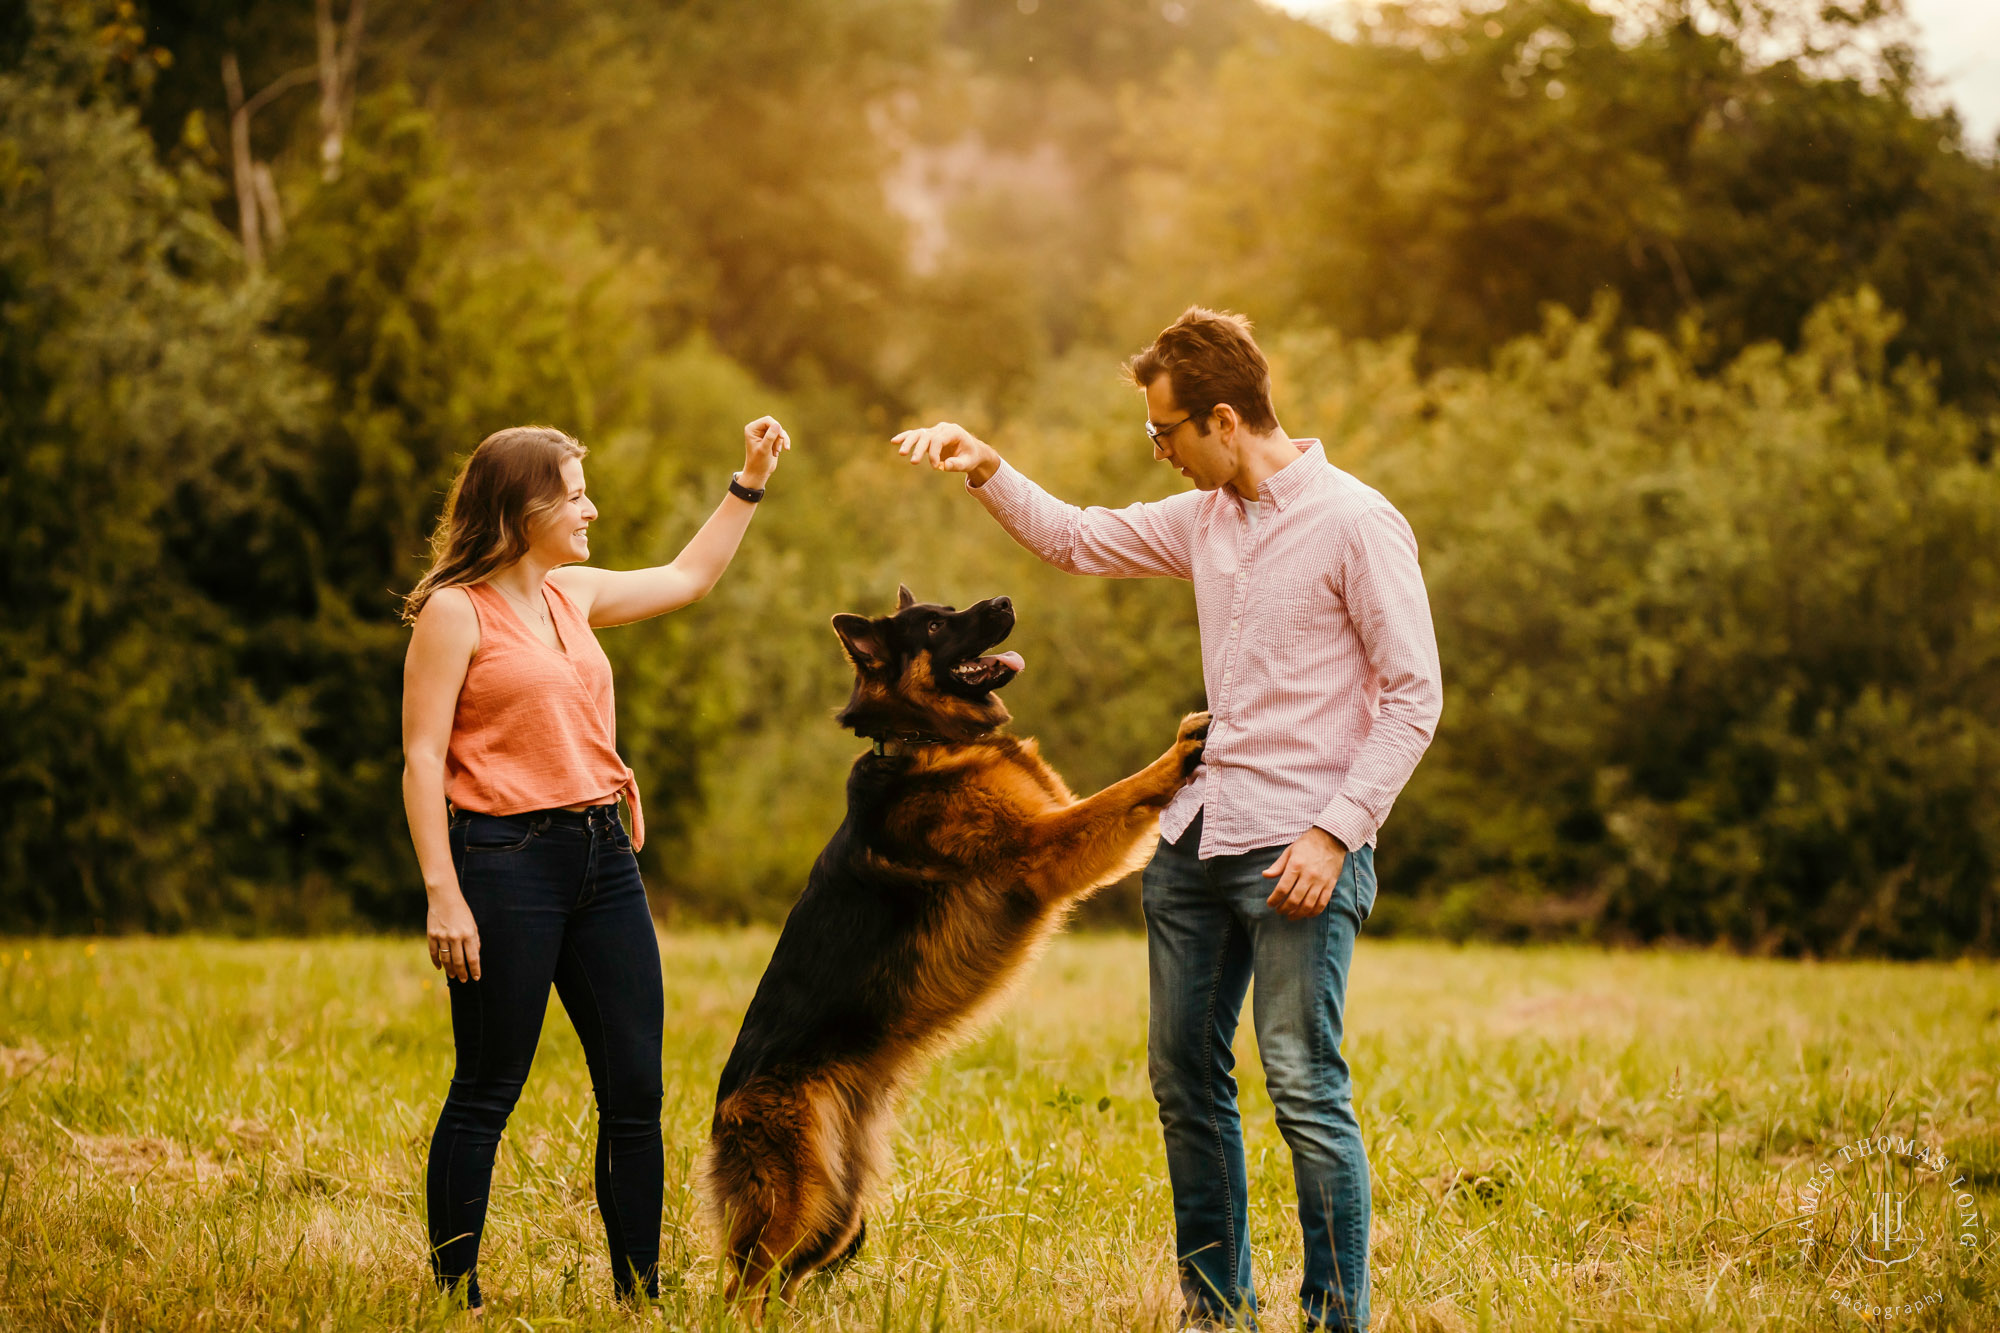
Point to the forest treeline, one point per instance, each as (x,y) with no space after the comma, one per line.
(1672,327)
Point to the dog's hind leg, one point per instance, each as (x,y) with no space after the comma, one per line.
(770,1184)
(857,1148)
(866,1161)
(772,1252)
(857,1152)
(778,1179)
(852,1250)
(832,1247)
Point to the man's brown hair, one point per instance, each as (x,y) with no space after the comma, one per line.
(1209,358)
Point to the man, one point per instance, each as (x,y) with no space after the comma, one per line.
(1322,676)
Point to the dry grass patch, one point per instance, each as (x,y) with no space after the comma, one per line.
(23,1060)
(1560,1140)
(128,1159)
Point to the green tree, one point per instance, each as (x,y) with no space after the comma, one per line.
(1451,174)
(140,397)
(1717,615)
(428,345)
(1720,651)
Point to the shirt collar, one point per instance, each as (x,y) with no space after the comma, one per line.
(1290,481)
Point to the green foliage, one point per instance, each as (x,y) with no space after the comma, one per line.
(1723,658)
(142,398)
(423,352)
(1716,600)
(1449,175)
(729,145)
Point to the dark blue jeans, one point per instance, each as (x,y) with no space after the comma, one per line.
(1208,933)
(558,900)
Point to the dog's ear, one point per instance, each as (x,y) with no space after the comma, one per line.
(866,645)
(905,599)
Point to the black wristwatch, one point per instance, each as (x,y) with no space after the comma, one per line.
(742,492)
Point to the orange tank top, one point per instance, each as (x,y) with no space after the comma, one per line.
(535,728)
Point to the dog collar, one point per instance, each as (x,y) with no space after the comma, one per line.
(892,746)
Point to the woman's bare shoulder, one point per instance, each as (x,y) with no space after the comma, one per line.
(449,620)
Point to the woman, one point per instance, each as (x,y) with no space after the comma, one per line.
(511,782)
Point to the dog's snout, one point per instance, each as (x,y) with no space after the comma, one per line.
(1003,604)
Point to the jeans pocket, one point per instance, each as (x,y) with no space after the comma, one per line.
(497,834)
(1363,862)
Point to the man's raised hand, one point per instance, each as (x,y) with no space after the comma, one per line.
(950,447)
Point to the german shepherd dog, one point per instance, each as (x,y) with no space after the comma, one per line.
(959,857)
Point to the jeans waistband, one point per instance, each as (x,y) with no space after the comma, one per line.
(597,817)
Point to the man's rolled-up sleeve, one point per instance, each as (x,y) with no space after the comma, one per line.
(1146,540)
(1384,590)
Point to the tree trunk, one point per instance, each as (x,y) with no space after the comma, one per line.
(270,215)
(339,57)
(245,167)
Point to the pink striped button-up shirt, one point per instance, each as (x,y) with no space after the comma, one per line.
(1316,641)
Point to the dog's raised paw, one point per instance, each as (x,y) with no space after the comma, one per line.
(1191,741)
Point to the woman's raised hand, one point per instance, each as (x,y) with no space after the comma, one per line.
(763,440)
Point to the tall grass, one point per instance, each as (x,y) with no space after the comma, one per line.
(198,1134)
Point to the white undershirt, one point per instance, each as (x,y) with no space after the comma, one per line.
(1252,510)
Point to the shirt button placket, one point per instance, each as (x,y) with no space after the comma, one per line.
(1212,795)
(1243,544)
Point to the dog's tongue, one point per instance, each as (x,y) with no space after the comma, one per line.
(1011,660)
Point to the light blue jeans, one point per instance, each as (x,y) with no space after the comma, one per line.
(1209,932)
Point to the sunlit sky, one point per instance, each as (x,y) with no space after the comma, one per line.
(1962,49)
(1960,40)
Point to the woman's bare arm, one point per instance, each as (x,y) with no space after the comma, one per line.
(441,648)
(620,596)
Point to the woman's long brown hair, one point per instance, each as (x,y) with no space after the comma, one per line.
(512,479)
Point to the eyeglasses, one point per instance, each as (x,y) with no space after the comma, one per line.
(1158,433)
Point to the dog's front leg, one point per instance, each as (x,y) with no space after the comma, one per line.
(1092,841)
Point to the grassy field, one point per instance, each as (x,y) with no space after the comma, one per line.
(199,1134)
